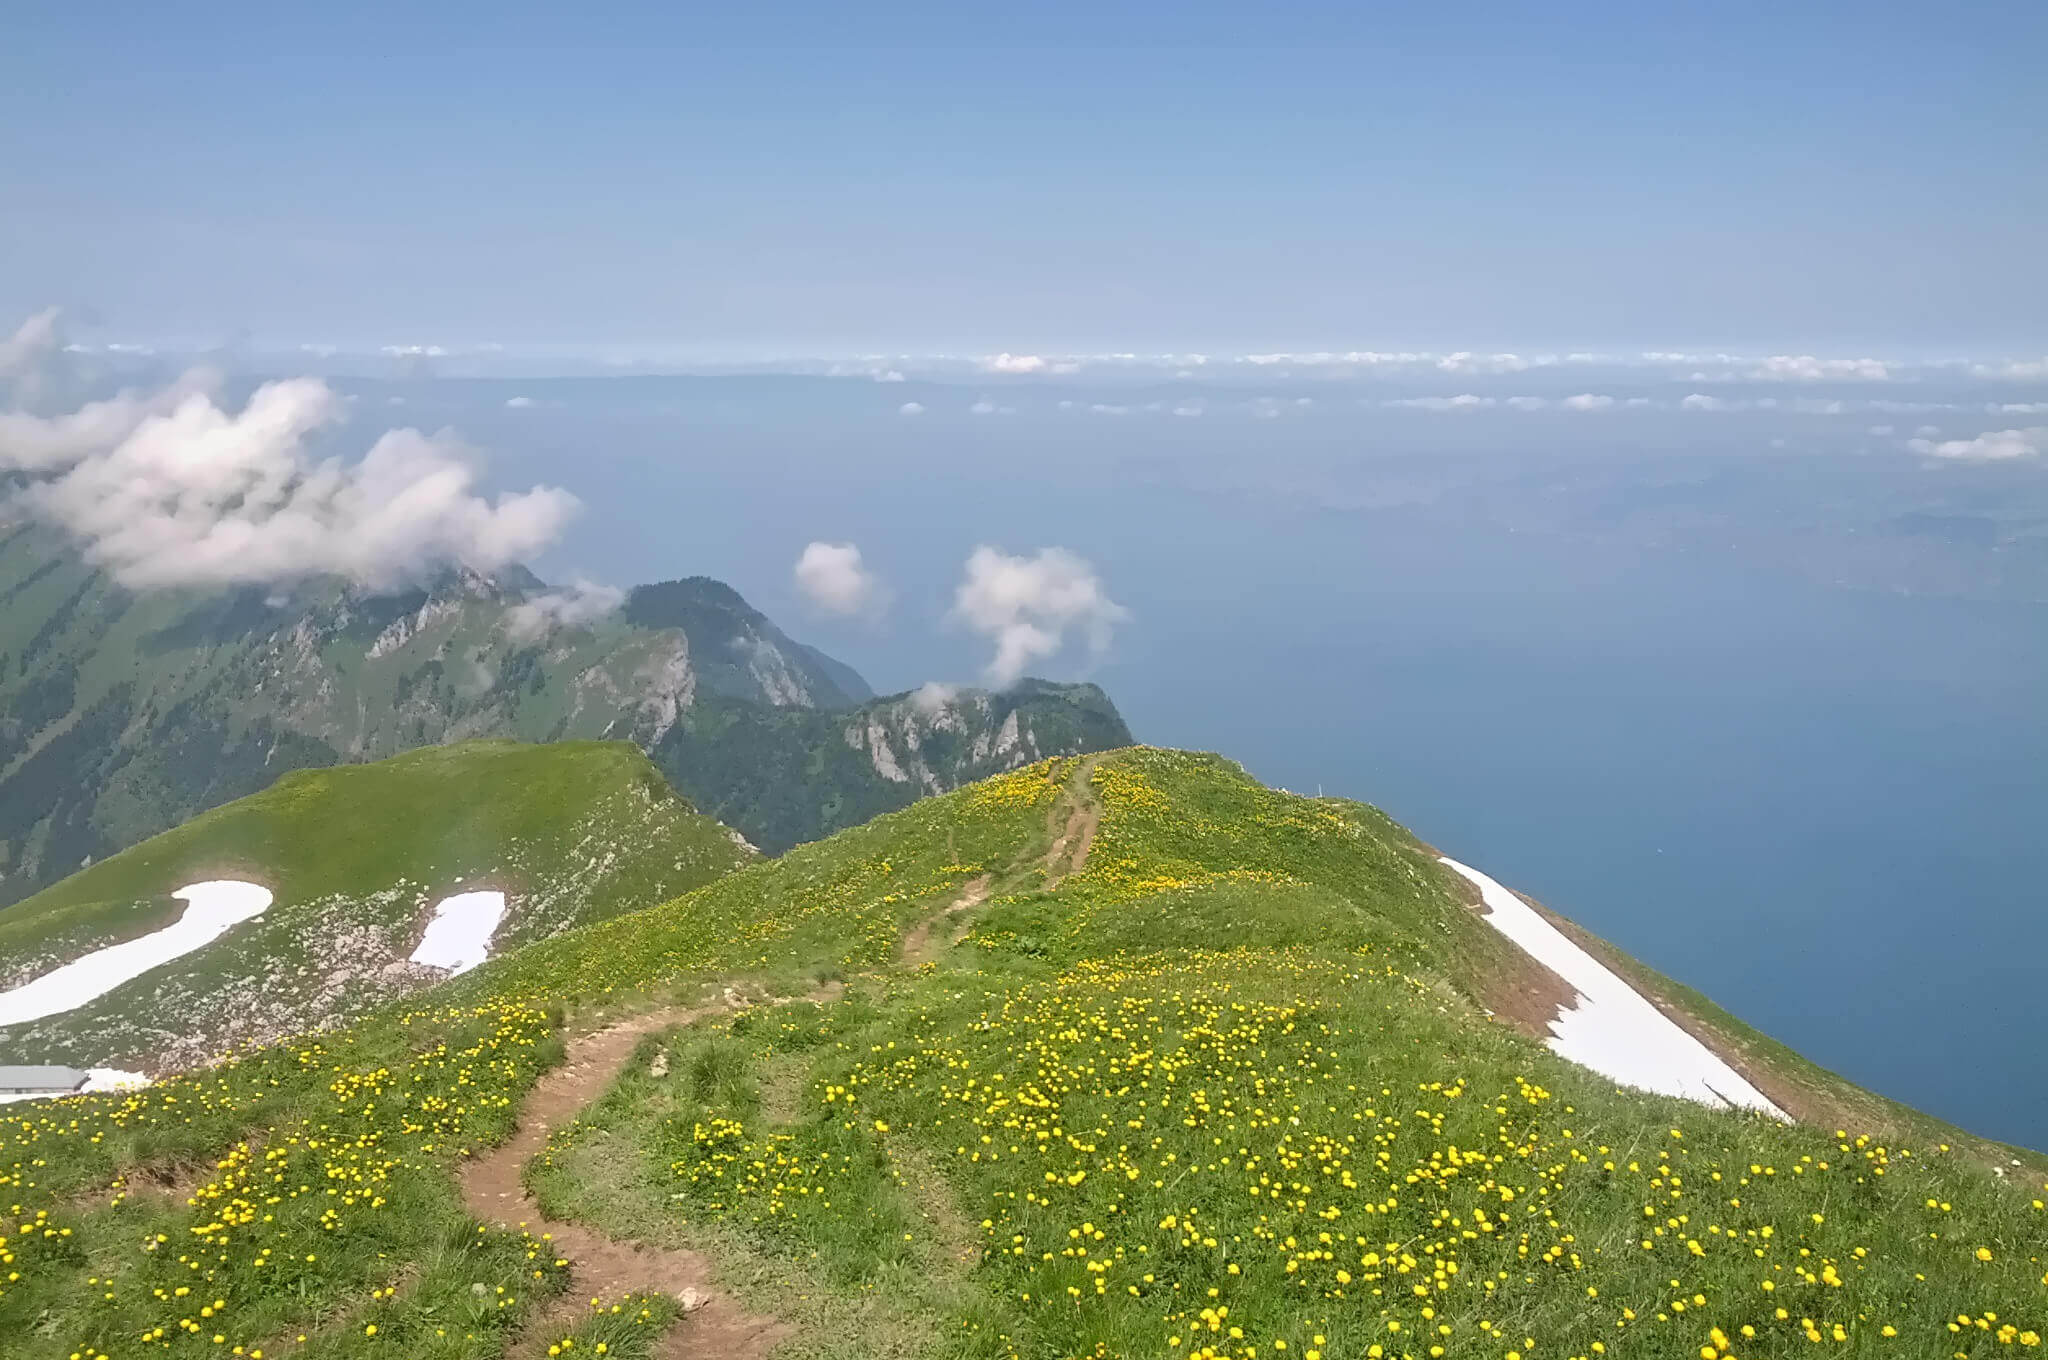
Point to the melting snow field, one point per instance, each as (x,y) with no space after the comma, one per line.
(211,908)
(459,936)
(1613,1028)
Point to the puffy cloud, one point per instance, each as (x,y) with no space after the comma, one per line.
(1464,401)
(889,375)
(1586,401)
(519,403)
(1015,363)
(30,443)
(172,489)
(1528,403)
(832,577)
(986,407)
(1807,368)
(1700,401)
(1991,446)
(2021,408)
(1028,605)
(576,605)
(910,408)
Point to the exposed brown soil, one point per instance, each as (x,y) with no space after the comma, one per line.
(716,1327)
(1068,853)
(918,945)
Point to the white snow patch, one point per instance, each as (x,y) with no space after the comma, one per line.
(211,908)
(1613,1028)
(113,1079)
(459,936)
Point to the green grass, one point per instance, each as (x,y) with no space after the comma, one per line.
(1235,1065)
(574,832)
(1228,1090)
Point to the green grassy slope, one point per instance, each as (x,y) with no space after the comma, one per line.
(1226,1088)
(573,832)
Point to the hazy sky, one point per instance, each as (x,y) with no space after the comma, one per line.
(826,179)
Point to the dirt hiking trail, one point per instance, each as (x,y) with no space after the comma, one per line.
(919,945)
(713,1326)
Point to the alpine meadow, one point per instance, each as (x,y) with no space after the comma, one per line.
(1111,1055)
(1096,682)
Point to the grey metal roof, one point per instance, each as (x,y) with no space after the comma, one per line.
(41,1078)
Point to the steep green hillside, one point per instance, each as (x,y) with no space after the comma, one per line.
(122,714)
(357,857)
(1112,1057)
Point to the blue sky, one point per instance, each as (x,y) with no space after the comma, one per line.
(825,179)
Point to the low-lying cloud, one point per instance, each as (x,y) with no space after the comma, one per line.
(1990,447)
(576,605)
(1028,607)
(174,489)
(833,577)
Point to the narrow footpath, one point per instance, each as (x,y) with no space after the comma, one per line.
(713,1325)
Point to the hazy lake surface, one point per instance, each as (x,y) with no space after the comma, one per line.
(1675,688)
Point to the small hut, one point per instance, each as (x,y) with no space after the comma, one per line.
(18,1082)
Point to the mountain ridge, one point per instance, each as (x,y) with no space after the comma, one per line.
(140,710)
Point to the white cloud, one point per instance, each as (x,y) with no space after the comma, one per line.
(889,375)
(986,407)
(415,351)
(1807,368)
(1193,408)
(1014,363)
(577,605)
(1700,401)
(32,342)
(172,489)
(910,408)
(1587,401)
(1991,446)
(2014,368)
(519,403)
(1027,605)
(1464,361)
(1464,401)
(2020,408)
(932,696)
(1528,403)
(832,577)
(1103,408)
